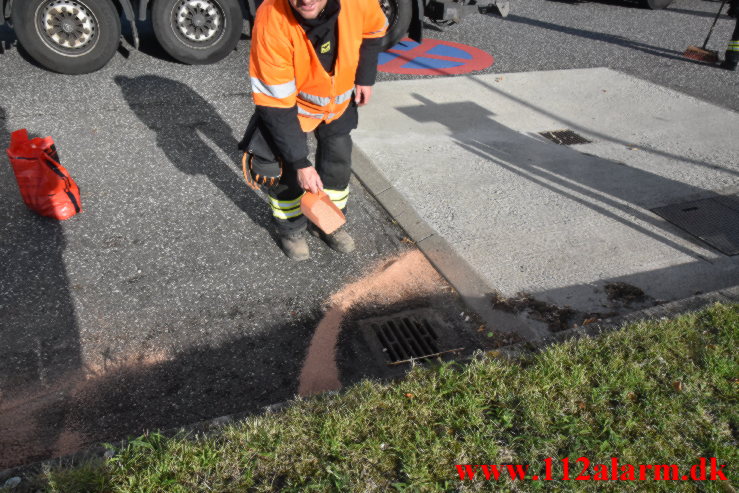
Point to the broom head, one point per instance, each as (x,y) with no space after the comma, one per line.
(700,54)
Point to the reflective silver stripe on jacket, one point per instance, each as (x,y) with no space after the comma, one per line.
(314,99)
(344,97)
(303,112)
(278,91)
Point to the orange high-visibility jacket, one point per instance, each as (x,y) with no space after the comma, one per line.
(285,70)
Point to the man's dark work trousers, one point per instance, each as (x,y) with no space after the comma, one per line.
(732,52)
(333,164)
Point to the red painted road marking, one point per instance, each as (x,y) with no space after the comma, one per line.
(409,57)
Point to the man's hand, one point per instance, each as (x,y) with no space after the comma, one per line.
(362,94)
(309,180)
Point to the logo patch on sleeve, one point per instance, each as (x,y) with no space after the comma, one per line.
(326,47)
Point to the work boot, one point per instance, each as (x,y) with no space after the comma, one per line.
(339,240)
(729,64)
(295,247)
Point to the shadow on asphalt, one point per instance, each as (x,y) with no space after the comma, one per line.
(131,397)
(239,377)
(181,119)
(39,339)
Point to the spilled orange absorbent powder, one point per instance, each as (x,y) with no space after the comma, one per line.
(28,428)
(408,276)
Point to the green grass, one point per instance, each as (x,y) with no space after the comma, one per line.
(658,392)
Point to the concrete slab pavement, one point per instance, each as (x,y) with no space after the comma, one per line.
(558,222)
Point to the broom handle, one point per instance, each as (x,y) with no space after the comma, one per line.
(718,14)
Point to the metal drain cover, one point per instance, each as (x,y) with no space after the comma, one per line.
(565,137)
(413,334)
(714,220)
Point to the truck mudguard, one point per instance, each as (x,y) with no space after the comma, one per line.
(142,9)
(127,9)
(4,11)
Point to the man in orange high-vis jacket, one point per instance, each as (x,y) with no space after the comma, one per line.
(312,63)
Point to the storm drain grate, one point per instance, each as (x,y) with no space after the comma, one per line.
(565,137)
(415,334)
(714,220)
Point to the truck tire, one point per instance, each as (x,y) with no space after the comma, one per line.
(197,31)
(657,4)
(398,13)
(68,36)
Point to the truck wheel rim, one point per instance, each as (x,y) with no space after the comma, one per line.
(198,22)
(68,27)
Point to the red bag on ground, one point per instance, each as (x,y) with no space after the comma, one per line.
(45,185)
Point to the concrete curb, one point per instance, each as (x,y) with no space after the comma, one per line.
(667,310)
(475,292)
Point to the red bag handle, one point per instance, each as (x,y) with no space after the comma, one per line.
(55,166)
